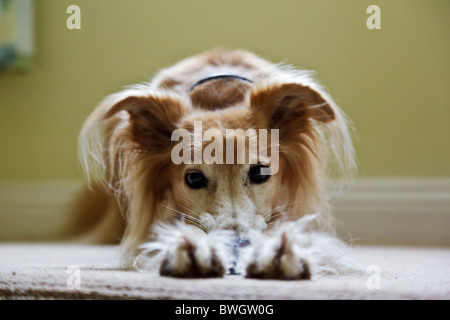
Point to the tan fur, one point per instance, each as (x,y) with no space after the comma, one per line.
(95,218)
(219,94)
(125,146)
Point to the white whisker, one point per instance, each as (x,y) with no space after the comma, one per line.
(184,216)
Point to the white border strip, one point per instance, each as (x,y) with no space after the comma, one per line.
(373,211)
(398,212)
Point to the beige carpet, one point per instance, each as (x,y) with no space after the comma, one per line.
(42,271)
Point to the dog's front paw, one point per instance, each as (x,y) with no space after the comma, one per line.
(191,259)
(188,252)
(278,258)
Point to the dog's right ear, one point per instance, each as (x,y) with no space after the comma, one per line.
(151,119)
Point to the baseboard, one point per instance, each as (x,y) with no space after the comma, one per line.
(35,211)
(373,211)
(395,211)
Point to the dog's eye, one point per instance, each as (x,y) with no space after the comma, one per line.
(195,180)
(256,174)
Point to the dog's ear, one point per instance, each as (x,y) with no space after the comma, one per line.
(290,107)
(151,119)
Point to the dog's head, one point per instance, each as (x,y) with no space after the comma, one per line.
(242,166)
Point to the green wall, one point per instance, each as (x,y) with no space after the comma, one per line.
(394,83)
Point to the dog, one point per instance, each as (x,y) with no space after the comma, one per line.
(190,207)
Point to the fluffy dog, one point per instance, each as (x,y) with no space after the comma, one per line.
(262,212)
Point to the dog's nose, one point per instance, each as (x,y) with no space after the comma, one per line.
(238,243)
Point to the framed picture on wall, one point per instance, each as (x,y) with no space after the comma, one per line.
(16,34)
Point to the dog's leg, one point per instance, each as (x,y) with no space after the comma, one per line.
(187,252)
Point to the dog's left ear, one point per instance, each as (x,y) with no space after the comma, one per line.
(152,119)
(290,107)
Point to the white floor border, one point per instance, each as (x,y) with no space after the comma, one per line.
(396,211)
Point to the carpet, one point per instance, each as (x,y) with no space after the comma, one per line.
(67,271)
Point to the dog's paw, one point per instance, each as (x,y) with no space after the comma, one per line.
(187,252)
(278,258)
(192,260)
